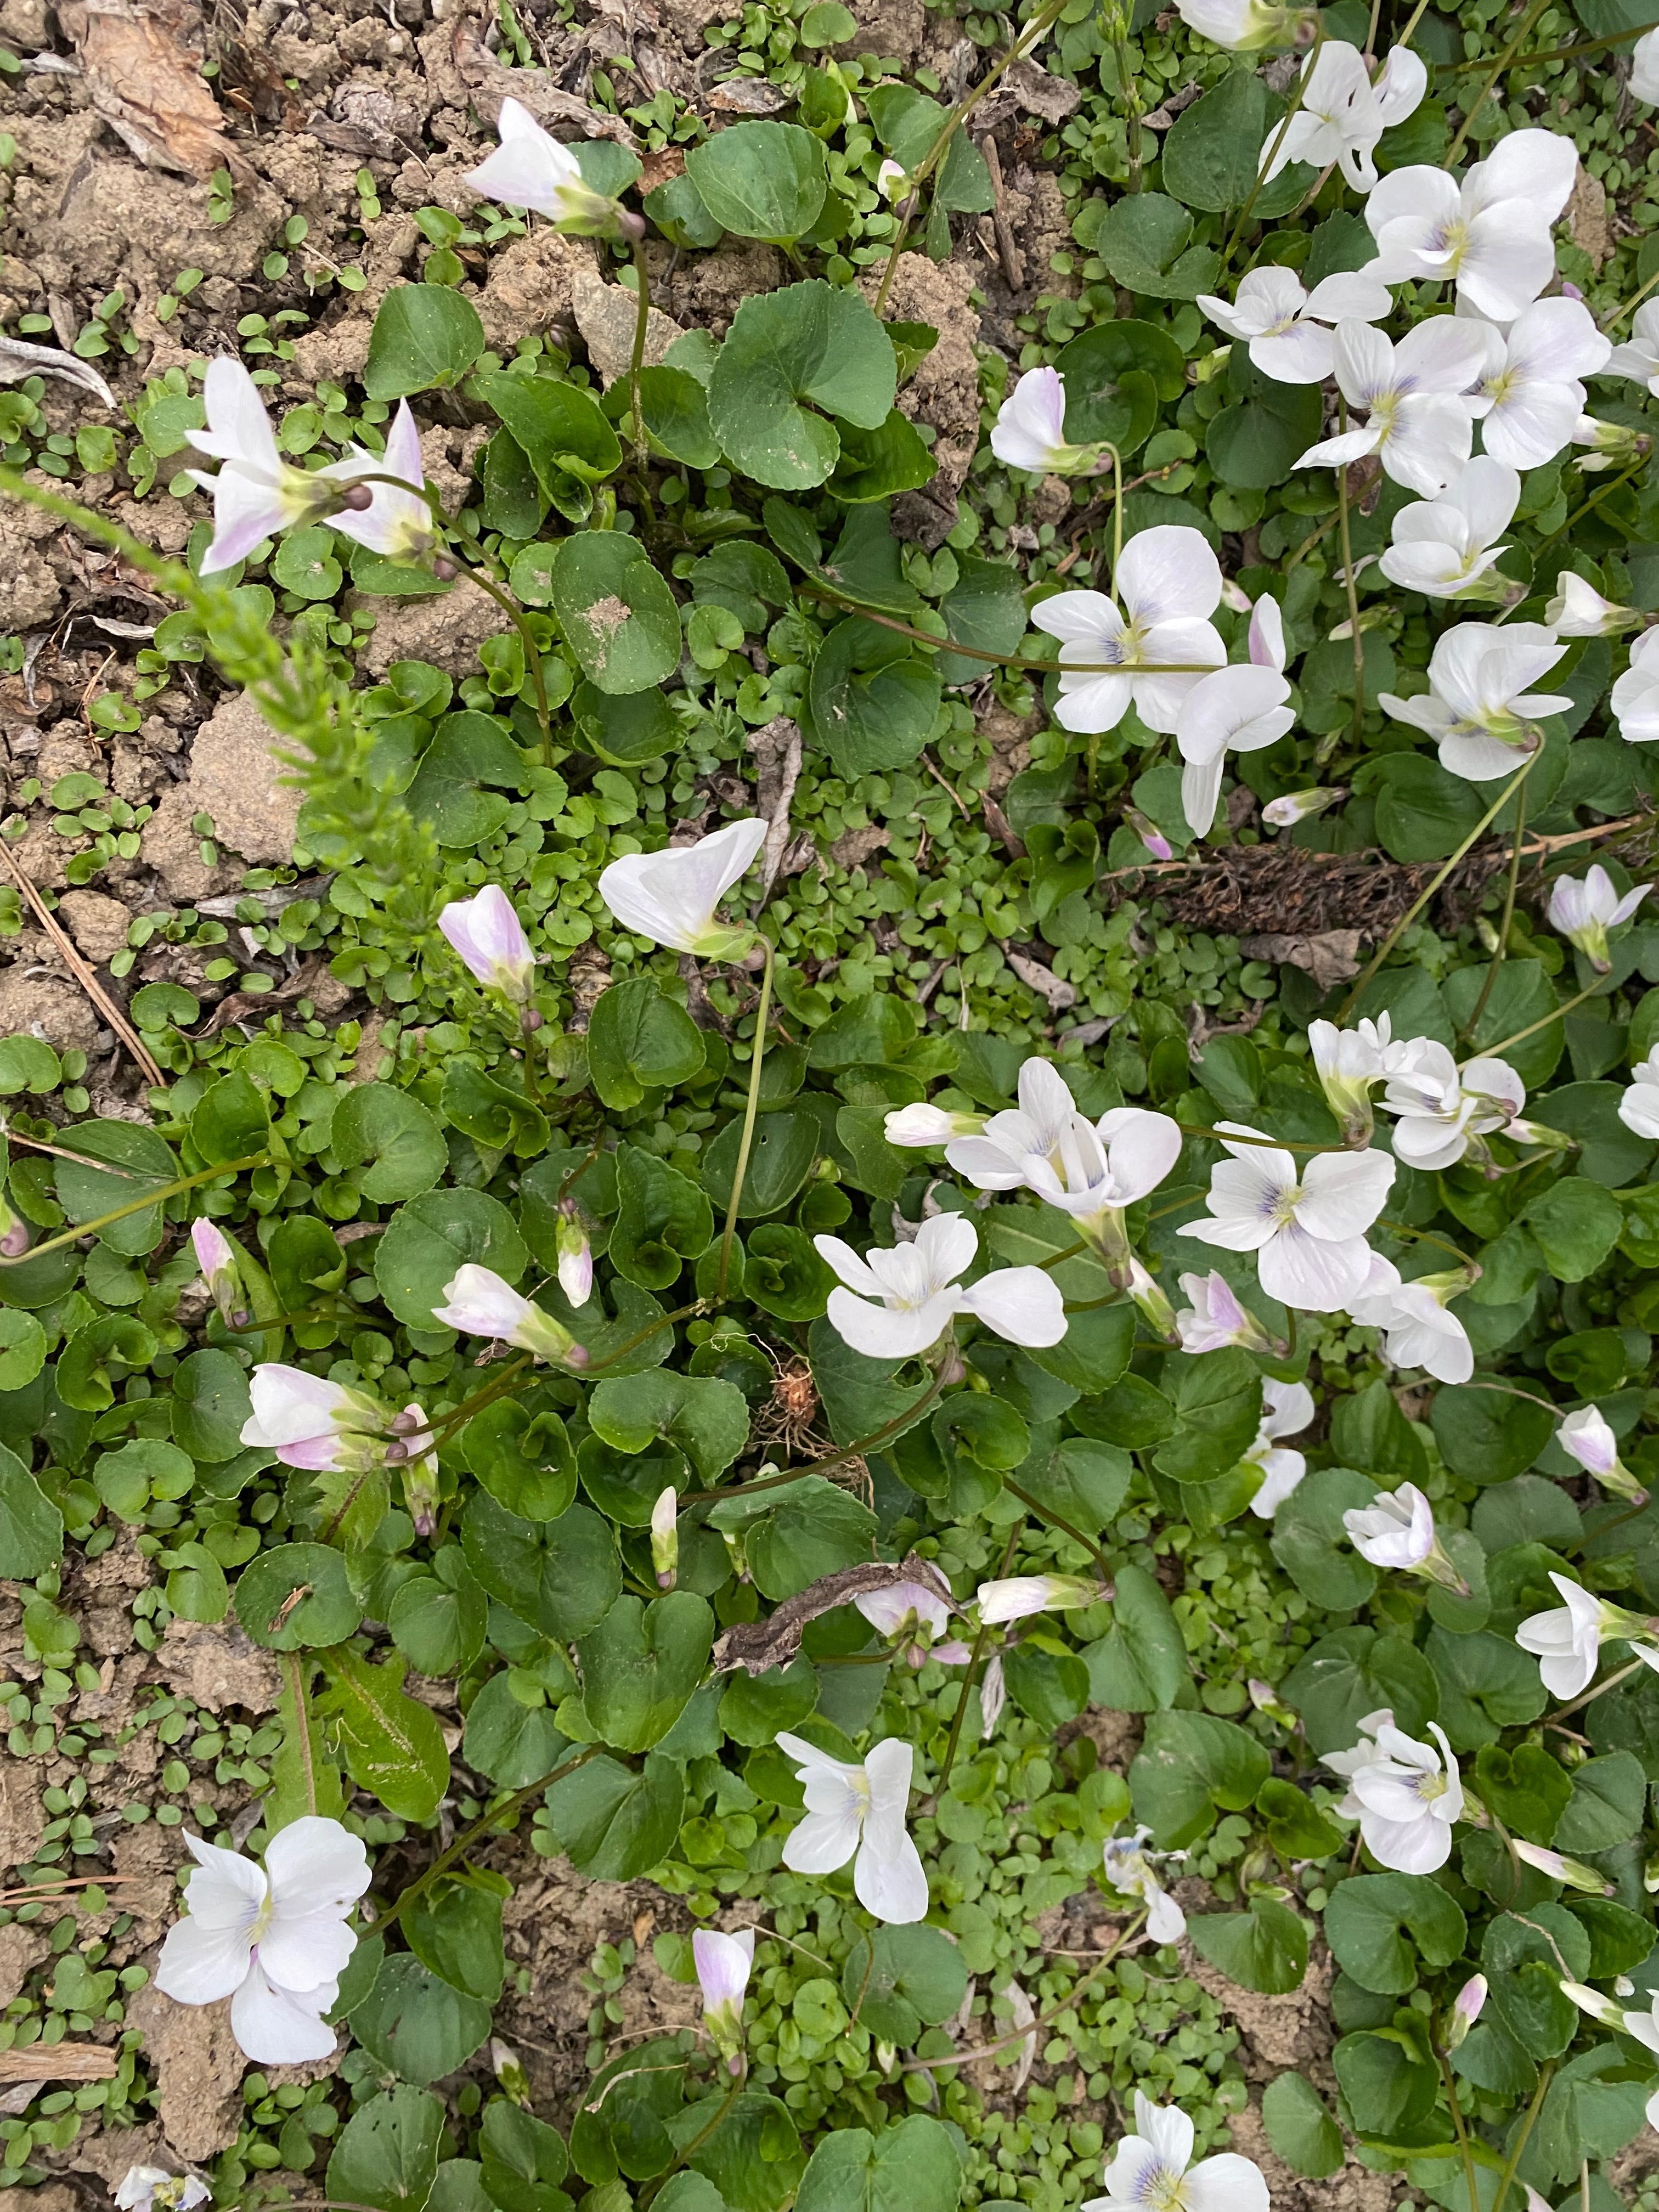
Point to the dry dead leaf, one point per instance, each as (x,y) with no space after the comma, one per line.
(18,359)
(747,95)
(58,2061)
(143,68)
(1330,958)
(1059,994)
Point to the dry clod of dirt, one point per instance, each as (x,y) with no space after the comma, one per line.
(233,780)
(198,2071)
(607,315)
(707,289)
(49,1007)
(1354,2188)
(30,593)
(945,390)
(96,922)
(21,1950)
(1294,2030)
(446,630)
(532,282)
(22,1816)
(215,1665)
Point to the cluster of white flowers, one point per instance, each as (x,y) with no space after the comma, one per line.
(1501,357)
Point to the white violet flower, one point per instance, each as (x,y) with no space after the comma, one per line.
(1638,1108)
(1215,1318)
(1241,26)
(723,1964)
(1638,358)
(858,1812)
(1285,325)
(671,896)
(491,941)
(152,2189)
(1445,547)
(1152,2170)
(1578,609)
(1635,694)
(1022,1597)
(479,1304)
(1587,1437)
(1528,399)
(893,1304)
(1480,709)
(915,1126)
(397,521)
(1030,431)
(1306,1227)
(1129,1869)
(312,1423)
(1405,1796)
(1351,1063)
(530,169)
(1396,1530)
(256,493)
(1488,233)
(1169,582)
(275,1941)
(1344,111)
(1444,1109)
(1417,423)
(1418,1329)
(1286,1410)
(1567,1642)
(1585,909)
(1242,709)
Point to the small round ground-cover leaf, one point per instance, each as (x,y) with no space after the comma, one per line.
(809,345)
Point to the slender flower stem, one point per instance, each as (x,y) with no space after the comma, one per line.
(1503,62)
(1058,1521)
(970,1677)
(816,589)
(1463,2150)
(1597,1690)
(1474,1021)
(1545,2076)
(1497,1051)
(156,1197)
(1596,499)
(642,324)
(520,621)
(1350,584)
(1277,140)
(1127,86)
(751,1107)
(1023,44)
(499,1386)
(1553,53)
(1043,2020)
(698,1306)
(1422,900)
(1636,297)
(469,1835)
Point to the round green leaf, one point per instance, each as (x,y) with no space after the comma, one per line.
(431,1238)
(616,610)
(392,1138)
(808,346)
(760,179)
(296,1597)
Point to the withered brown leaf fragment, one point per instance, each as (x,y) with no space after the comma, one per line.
(758,1645)
(143,68)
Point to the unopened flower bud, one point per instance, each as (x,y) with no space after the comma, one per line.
(665,1538)
(1296,806)
(575,1254)
(1149,834)
(445,570)
(1465,2010)
(15,1237)
(1267,1700)
(1602,2010)
(1571,1872)
(509,2073)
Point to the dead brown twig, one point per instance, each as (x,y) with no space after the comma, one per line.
(81,971)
